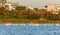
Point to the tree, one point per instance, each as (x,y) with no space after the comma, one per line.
(51,16)
(28,14)
(6,13)
(19,8)
(46,6)
(36,9)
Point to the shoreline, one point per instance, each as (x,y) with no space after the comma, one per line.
(32,24)
(27,21)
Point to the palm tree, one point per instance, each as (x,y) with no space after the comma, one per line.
(3,2)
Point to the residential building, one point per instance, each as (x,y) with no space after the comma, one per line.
(9,6)
(54,8)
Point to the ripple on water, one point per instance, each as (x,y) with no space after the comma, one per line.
(27,29)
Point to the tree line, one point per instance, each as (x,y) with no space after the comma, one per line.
(25,13)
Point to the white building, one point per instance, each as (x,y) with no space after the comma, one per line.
(30,8)
(54,8)
(9,6)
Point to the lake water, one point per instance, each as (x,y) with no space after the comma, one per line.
(41,29)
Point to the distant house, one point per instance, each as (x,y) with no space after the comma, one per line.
(9,6)
(55,8)
(3,3)
(30,8)
(55,11)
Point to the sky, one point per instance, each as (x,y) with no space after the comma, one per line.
(35,3)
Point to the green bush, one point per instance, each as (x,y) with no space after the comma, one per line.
(51,16)
(22,12)
(7,13)
(28,14)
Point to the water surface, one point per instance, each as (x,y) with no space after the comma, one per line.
(42,29)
